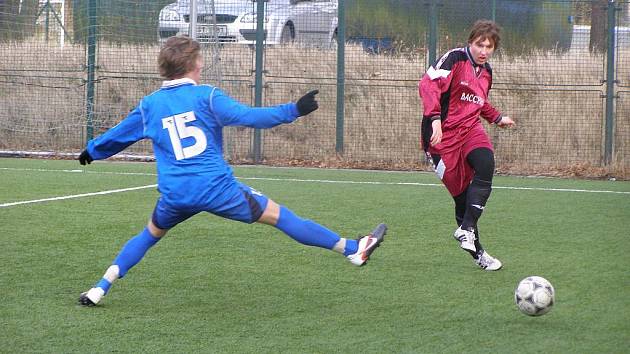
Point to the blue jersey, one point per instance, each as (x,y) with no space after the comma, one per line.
(185,123)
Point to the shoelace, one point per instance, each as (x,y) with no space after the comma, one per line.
(484,261)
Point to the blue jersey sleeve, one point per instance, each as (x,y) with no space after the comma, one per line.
(116,139)
(228,111)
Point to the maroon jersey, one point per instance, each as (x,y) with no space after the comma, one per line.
(455,89)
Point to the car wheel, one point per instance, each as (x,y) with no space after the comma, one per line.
(288,34)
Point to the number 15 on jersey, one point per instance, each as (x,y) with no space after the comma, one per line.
(178,131)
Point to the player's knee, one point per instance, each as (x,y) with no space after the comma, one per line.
(271,214)
(482,161)
(479,191)
(156,231)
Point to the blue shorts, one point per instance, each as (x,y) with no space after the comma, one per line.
(243,204)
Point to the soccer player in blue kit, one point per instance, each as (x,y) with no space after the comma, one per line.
(185,122)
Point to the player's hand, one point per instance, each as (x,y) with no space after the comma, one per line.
(506,122)
(307,103)
(436,137)
(85,158)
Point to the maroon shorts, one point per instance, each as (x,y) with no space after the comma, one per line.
(452,168)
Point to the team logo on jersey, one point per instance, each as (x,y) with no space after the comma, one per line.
(255,192)
(464,83)
(469,97)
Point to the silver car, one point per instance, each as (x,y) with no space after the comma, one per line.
(312,22)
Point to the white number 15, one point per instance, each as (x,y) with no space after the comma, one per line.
(178,130)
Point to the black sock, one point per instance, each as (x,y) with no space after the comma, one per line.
(470,205)
(476,197)
(478,245)
(460,211)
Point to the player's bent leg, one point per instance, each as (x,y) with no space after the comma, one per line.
(478,192)
(266,211)
(135,249)
(301,230)
(456,175)
(310,233)
(131,253)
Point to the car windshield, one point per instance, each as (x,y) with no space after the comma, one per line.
(274,2)
(280,2)
(220,6)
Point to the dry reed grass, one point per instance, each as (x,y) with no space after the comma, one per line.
(554,97)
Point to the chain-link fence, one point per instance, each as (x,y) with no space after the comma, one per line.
(622,117)
(72,69)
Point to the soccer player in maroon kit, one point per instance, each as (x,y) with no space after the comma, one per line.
(454,94)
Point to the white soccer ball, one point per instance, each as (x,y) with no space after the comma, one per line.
(534,296)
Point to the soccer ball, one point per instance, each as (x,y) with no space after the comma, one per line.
(534,296)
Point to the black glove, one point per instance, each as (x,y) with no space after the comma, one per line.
(85,158)
(307,104)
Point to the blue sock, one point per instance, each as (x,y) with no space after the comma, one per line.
(103,284)
(305,231)
(352,246)
(133,251)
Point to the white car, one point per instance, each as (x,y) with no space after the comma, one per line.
(310,22)
(171,22)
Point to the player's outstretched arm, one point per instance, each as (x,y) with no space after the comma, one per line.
(231,112)
(115,140)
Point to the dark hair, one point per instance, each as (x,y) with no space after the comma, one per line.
(178,56)
(486,29)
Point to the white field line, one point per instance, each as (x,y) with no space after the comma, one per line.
(433,185)
(74,196)
(270,179)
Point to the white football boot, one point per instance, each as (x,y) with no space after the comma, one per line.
(91,297)
(487,262)
(367,245)
(466,239)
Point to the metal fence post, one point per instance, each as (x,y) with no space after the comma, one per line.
(258,82)
(91,67)
(610,83)
(192,30)
(341,74)
(47,7)
(433,29)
